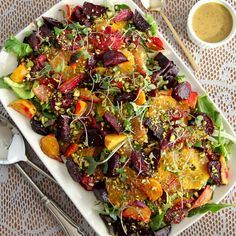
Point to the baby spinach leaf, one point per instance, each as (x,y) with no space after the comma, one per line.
(212,207)
(92,165)
(20,49)
(157,221)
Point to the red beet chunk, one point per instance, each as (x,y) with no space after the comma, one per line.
(77,15)
(182,91)
(124,97)
(140,23)
(100,192)
(177,213)
(92,10)
(157,156)
(113,122)
(107,40)
(87,182)
(74,170)
(33,41)
(113,164)
(123,15)
(51,22)
(155,130)
(64,128)
(208,123)
(113,58)
(70,84)
(139,164)
(95,137)
(214,168)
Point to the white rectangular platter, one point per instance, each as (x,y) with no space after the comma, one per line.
(83,200)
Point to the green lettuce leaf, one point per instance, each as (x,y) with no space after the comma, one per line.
(152,22)
(13,45)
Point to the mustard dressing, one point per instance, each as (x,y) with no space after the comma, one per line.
(212,22)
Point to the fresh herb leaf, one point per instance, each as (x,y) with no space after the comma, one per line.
(206,106)
(212,207)
(60,67)
(180,78)
(92,165)
(122,174)
(111,211)
(58,31)
(152,22)
(157,221)
(13,45)
(127,125)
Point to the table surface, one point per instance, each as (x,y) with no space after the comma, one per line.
(21,210)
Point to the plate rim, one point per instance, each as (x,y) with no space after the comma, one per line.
(52,12)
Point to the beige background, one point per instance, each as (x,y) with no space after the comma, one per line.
(21,211)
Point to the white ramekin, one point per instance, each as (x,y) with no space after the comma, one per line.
(196,39)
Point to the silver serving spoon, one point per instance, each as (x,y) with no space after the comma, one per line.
(157,5)
(12,147)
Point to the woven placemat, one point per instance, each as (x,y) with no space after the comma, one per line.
(22,212)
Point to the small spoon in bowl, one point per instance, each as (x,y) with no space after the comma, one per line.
(156,5)
(12,147)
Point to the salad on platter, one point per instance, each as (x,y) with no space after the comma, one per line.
(108,103)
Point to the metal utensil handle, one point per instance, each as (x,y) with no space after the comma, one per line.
(70,228)
(41,171)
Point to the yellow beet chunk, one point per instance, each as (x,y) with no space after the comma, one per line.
(141,98)
(24,107)
(19,73)
(119,26)
(50,147)
(112,140)
(150,187)
(128,66)
(224,171)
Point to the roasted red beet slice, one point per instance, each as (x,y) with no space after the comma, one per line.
(139,164)
(123,15)
(70,84)
(113,164)
(51,22)
(87,182)
(95,137)
(113,58)
(45,32)
(140,23)
(107,40)
(124,97)
(64,128)
(77,15)
(74,170)
(168,70)
(113,122)
(157,156)
(207,122)
(38,127)
(92,10)
(182,91)
(154,129)
(33,41)
(211,156)
(100,192)
(214,168)
(177,213)
(164,231)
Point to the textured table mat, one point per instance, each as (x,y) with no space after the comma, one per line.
(21,211)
